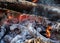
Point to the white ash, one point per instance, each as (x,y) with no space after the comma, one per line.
(25,27)
(13,26)
(20,41)
(2,41)
(2,31)
(26,34)
(8,38)
(56,26)
(39,29)
(18,37)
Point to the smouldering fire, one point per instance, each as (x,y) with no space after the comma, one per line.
(23,17)
(34,1)
(9,17)
(48,33)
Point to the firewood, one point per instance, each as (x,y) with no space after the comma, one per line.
(25,5)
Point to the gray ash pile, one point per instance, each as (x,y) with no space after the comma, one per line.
(26,27)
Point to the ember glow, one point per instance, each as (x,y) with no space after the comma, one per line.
(48,33)
(34,1)
(22,17)
(9,17)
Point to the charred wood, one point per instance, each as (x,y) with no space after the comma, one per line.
(25,5)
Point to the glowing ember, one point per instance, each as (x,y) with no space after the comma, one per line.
(22,17)
(34,1)
(48,34)
(9,17)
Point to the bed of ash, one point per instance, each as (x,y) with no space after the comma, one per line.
(16,30)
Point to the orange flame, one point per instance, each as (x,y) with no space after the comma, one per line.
(34,1)
(48,34)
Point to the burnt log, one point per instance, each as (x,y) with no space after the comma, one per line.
(16,6)
(25,5)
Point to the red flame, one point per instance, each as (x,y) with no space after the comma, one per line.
(34,1)
(48,34)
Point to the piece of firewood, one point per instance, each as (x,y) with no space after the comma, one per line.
(25,5)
